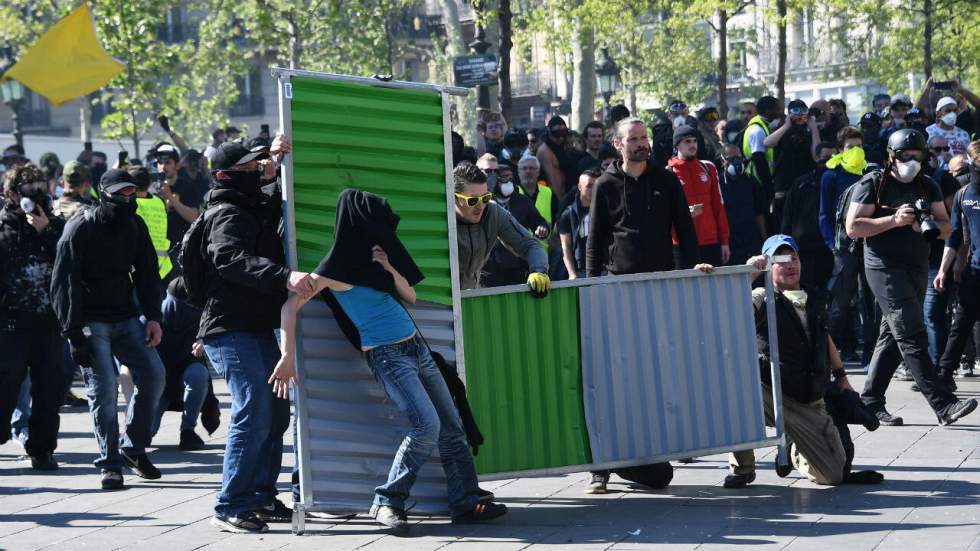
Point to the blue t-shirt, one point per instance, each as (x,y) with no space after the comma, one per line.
(379,318)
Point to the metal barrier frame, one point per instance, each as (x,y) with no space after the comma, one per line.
(779,440)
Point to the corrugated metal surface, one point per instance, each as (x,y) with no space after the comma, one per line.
(354,431)
(523,380)
(669,366)
(383,140)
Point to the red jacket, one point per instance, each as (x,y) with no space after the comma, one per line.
(700,181)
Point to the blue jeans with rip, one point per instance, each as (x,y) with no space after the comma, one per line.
(195,380)
(253,453)
(125,341)
(412,380)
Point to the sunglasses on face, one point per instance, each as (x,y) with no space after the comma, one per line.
(906,156)
(710,117)
(473,201)
(939,148)
(559,133)
(679,106)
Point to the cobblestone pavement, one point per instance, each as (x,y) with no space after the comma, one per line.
(929,500)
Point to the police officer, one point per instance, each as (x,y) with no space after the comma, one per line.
(894,210)
(29,337)
(966,230)
(105,262)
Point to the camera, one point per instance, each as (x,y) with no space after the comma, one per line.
(927,224)
(943,85)
(27,205)
(815,112)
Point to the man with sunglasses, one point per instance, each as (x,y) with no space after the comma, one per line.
(481,223)
(896,262)
(555,161)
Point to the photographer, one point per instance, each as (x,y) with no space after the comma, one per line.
(174,188)
(29,338)
(898,211)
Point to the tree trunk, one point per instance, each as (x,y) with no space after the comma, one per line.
(723,64)
(927,35)
(295,43)
(583,77)
(465,107)
(505,16)
(85,118)
(781,63)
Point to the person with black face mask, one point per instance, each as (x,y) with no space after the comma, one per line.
(29,336)
(105,277)
(898,211)
(246,284)
(800,220)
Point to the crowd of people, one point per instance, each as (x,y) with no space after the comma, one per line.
(146,273)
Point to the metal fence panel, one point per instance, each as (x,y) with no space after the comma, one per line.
(384,140)
(524,381)
(354,430)
(670,366)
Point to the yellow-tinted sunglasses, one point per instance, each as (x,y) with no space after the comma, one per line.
(472,201)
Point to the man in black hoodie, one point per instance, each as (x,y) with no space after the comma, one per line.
(635,207)
(246,284)
(29,336)
(105,262)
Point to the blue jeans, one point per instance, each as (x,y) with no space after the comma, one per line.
(412,380)
(937,323)
(253,453)
(125,340)
(195,380)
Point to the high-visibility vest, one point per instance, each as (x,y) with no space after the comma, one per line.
(747,152)
(543,205)
(153,211)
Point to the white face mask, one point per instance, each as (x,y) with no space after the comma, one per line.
(949,119)
(678,121)
(506,189)
(907,171)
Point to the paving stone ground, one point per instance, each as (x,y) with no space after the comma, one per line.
(929,500)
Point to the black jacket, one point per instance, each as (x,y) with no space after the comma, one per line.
(804,363)
(26,262)
(801,213)
(101,262)
(631,222)
(246,265)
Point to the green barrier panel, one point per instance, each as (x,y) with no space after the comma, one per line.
(383,140)
(524,380)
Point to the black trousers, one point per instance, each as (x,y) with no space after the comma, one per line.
(900,293)
(707,254)
(848,280)
(965,315)
(38,352)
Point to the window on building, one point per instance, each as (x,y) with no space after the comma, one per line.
(172,29)
(250,101)
(34,111)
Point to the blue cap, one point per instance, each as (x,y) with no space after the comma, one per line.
(773,244)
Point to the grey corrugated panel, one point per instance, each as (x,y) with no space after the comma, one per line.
(354,431)
(658,383)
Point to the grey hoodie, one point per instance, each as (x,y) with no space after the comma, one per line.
(476,241)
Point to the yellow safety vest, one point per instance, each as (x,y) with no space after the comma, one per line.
(747,152)
(543,205)
(153,211)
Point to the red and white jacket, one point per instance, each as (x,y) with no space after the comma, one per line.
(700,181)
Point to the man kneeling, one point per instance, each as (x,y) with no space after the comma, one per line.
(807,360)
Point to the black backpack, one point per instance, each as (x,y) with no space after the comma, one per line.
(191,257)
(842,242)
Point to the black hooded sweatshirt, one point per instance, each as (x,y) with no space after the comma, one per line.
(631,220)
(246,263)
(363,221)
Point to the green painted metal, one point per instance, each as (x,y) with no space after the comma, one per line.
(524,380)
(383,140)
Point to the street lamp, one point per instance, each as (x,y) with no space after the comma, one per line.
(607,81)
(12,93)
(480,46)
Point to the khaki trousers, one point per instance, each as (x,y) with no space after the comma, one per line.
(816,451)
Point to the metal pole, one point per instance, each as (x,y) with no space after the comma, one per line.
(606,115)
(782,456)
(480,46)
(14,105)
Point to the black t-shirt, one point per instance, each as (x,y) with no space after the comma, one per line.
(579,235)
(967,121)
(897,247)
(191,192)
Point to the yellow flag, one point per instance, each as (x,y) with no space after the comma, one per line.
(67,62)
